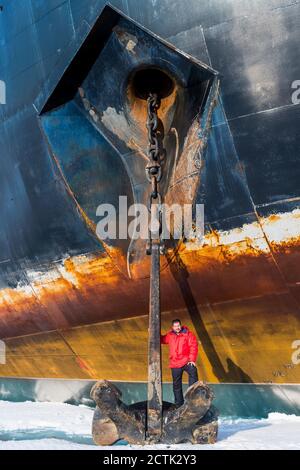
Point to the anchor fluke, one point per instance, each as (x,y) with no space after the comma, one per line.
(114,420)
(196,421)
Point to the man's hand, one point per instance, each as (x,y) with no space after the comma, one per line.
(192,363)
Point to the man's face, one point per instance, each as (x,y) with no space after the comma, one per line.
(176,327)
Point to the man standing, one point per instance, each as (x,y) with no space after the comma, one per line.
(183,350)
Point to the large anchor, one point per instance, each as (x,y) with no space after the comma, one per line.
(154,421)
(117,69)
(154,249)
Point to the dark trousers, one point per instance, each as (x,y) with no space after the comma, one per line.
(177,380)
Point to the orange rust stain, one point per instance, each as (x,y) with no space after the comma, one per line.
(90,269)
(273,218)
(286,246)
(60,295)
(89,288)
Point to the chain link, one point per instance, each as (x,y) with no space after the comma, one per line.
(153,167)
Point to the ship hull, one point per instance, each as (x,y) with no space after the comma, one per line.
(68,309)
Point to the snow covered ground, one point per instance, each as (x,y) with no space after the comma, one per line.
(60,426)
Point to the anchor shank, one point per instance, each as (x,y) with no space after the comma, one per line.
(154,404)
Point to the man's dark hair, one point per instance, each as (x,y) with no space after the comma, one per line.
(176,320)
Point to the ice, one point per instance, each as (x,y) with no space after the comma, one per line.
(37,425)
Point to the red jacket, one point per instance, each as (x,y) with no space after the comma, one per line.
(183,347)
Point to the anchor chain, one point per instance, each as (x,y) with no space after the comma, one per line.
(154,173)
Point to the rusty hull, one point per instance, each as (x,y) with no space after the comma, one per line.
(72,136)
(235,297)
